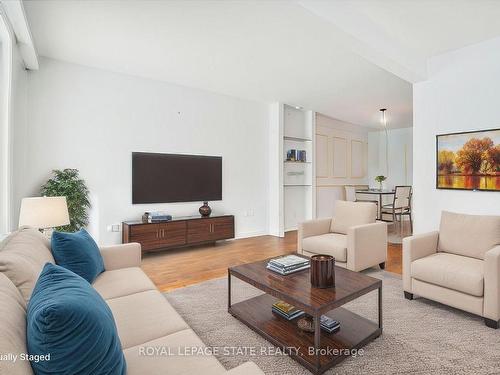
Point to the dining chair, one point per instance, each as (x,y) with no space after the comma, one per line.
(350,195)
(400,206)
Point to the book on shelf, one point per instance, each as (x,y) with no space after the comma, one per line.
(329,325)
(286,310)
(331,330)
(296,155)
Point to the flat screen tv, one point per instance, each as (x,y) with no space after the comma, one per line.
(168,178)
(468,160)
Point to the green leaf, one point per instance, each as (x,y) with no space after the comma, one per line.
(68,183)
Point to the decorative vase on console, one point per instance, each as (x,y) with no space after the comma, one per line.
(205,210)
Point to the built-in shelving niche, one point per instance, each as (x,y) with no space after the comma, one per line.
(293,201)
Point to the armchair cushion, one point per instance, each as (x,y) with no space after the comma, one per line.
(451,271)
(468,235)
(333,244)
(416,247)
(350,214)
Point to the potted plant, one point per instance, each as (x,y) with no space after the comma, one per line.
(380,179)
(67,183)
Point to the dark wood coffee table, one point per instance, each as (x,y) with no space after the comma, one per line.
(316,351)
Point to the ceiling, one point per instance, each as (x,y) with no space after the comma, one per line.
(298,53)
(409,32)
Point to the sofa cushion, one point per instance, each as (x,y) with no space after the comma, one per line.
(79,253)
(122,282)
(12,328)
(469,235)
(144,317)
(451,271)
(22,257)
(333,244)
(350,214)
(70,321)
(147,358)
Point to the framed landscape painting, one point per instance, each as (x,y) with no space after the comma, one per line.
(469,160)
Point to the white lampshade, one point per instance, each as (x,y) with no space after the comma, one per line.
(44,212)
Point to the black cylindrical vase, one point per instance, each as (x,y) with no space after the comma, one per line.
(322,271)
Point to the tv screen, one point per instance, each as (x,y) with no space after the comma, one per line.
(168,178)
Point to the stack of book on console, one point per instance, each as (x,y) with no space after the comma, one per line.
(288,264)
(329,325)
(156,217)
(286,310)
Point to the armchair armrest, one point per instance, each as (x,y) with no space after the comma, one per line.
(416,247)
(121,256)
(312,228)
(492,284)
(366,245)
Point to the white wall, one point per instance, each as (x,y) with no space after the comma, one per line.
(341,159)
(19,134)
(92,120)
(462,94)
(5,123)
(400,153)
(13,121)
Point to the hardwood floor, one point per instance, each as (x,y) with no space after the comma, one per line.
(394,258)
(173,269)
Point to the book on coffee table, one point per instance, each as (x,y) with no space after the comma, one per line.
(289,261)
(288,264)
(286,272)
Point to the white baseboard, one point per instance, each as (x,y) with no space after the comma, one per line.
(251,234)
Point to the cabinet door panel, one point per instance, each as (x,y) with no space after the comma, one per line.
(172,234)
(223,228)
(147,235)
(199,230)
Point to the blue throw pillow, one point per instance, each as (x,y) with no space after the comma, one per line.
(79,253)
(68,320)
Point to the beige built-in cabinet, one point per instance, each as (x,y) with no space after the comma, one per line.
(341,155)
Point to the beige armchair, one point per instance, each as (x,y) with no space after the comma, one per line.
(458,266)
(353,236)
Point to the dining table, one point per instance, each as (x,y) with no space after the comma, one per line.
(380,193)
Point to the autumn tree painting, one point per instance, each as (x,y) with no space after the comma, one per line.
(469,160)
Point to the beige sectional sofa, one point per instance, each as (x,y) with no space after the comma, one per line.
(145,320)
(458,266)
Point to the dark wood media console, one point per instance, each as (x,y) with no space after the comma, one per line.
(178,232)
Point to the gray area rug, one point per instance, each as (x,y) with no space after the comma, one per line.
(419,337)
